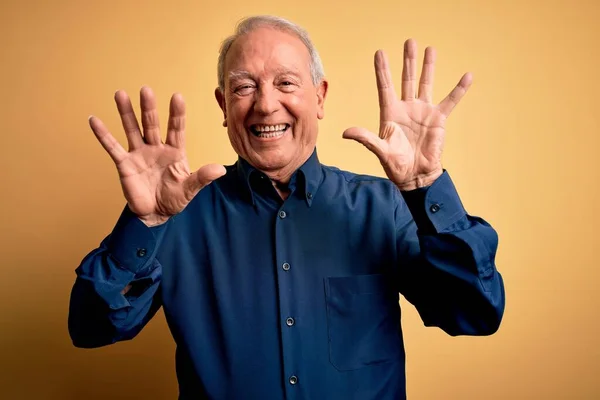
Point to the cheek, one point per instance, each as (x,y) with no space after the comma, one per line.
(303,105)
(237,134)
(237,105)
(299,109)
(237,115)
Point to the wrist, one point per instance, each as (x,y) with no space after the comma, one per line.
(153,220)
(419,181)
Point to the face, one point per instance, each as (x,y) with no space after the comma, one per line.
(270,104)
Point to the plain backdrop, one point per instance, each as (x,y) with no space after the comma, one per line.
(522,148)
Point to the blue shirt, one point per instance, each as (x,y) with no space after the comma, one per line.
(294,299)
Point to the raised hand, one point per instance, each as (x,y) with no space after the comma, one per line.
(411,129)
(155,176)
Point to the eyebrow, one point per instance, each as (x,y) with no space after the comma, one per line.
(239,74)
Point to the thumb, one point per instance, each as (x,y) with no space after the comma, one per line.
(202,177)
(365,137)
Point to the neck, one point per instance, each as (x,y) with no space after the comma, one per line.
(282,189)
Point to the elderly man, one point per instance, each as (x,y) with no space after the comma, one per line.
(279,277)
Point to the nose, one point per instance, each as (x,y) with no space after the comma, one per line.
(266,101)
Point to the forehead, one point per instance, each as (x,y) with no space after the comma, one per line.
(267,50)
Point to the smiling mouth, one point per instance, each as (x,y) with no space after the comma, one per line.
(269,131)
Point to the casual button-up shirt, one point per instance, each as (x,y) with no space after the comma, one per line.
(297,298)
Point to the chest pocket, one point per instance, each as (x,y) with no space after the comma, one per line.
(363,317)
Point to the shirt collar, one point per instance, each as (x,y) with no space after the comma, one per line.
(307,178)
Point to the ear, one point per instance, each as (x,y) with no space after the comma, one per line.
(221,100)
(321,95)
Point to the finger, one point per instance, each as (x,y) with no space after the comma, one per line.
(202,177)
(110,144)
(176,128)
(129,120)
(385,86)
(149,116)
(448,104)
(366,138)
(409,70)
(426,81)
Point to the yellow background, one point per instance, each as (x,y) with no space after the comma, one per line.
(521,148)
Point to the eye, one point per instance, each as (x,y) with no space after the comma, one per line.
(287,86)
(244,89)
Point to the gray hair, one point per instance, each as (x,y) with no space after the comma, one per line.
(249,24)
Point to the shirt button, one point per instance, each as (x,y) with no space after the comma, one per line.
(435,208)
(290,321)
(293,380)
(282,214)
(286,266)
(141,252)
(309,195)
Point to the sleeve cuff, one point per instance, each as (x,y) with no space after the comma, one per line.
(436,207)
(132,244)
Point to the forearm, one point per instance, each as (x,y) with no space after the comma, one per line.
(115,289)
(94,323)
(451,277)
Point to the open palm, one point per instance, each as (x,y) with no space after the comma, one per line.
(411,129)
(155,176)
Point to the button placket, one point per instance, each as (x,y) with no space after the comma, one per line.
(284,248)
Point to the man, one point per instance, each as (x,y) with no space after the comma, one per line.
(279,276)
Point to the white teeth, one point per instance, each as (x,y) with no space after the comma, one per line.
(270,128)
(271,135)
